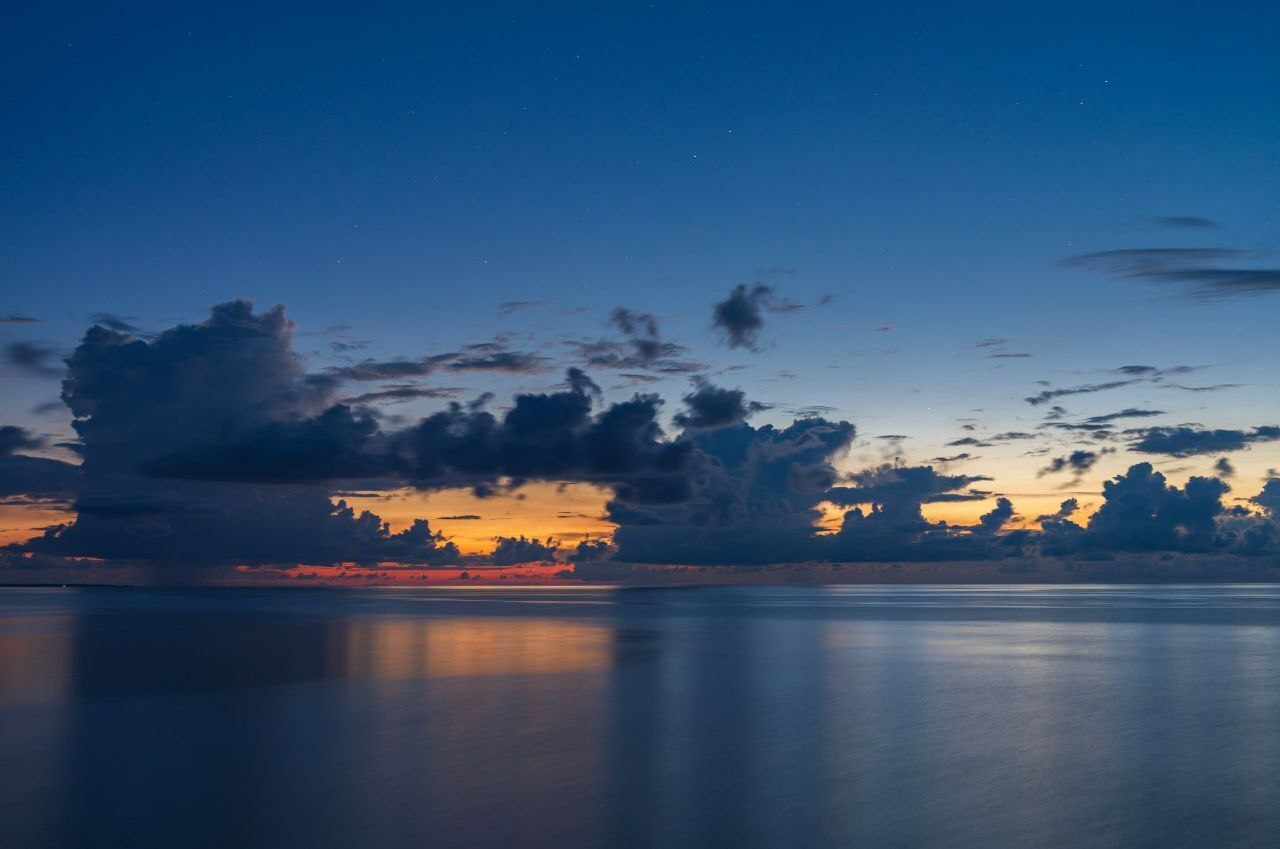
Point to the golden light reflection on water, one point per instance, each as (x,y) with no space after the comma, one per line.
(35,658)
(398,648)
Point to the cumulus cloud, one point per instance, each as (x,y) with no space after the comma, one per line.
(591,550)
(1142,512)
(512,550)
(997,518)
(709,407)
(211,443)
(136,400)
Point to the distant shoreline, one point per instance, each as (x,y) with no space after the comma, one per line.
(1125,569)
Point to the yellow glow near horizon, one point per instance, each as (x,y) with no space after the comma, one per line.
(569,512)
(21,522)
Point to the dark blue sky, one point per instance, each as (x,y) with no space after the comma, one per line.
(404,171)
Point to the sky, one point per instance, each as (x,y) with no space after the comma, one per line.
(935,214)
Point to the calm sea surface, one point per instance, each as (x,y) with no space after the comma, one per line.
(737,717)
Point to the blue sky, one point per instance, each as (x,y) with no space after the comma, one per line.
(406,171)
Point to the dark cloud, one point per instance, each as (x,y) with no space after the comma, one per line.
(14,438)
(1186,441)
(37,478)
(740,316)
(1009,356)
(509,362)
(1186,222)
(593,550)
(957,458)
(709,407)
(401,393)
(1050,394)
(1196,270)
(465,517)
(192,386)
(480,357)
(990,343)
(1126,413)
(1269,498)
(642,347)
(16,318)
(211,444)
(905,488)
(754,500)
(1065,511)
(512,550)
(33,358)
(1141,512)
(997,518)
(1217,387)
(371,370)
(1153,371)
(1224,469)
(1077,462)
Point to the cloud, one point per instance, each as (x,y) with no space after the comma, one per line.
(465,517)
(507,308)
(1196,270)
(33,358)
(990,343)
(642,347)
(905,488)
(118,323)
(1187,441)
(211,444)
(997,518)
(1141,512)
(754,500)
(1186,222)
(1126,413)
(709,407)
(1050,394)
(1077,462)
(1065,511)
(17,318)
(512,550)
(593,550)
(1224,468)
(137,400)
(14,438)
(402,393)
(33,478)
(510,362)
(740,316)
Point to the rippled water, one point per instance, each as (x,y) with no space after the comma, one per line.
(742,717)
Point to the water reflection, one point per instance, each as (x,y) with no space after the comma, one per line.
(763,717)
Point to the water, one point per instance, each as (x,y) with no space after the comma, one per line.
(736,717)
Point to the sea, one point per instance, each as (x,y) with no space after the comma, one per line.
(787,717)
